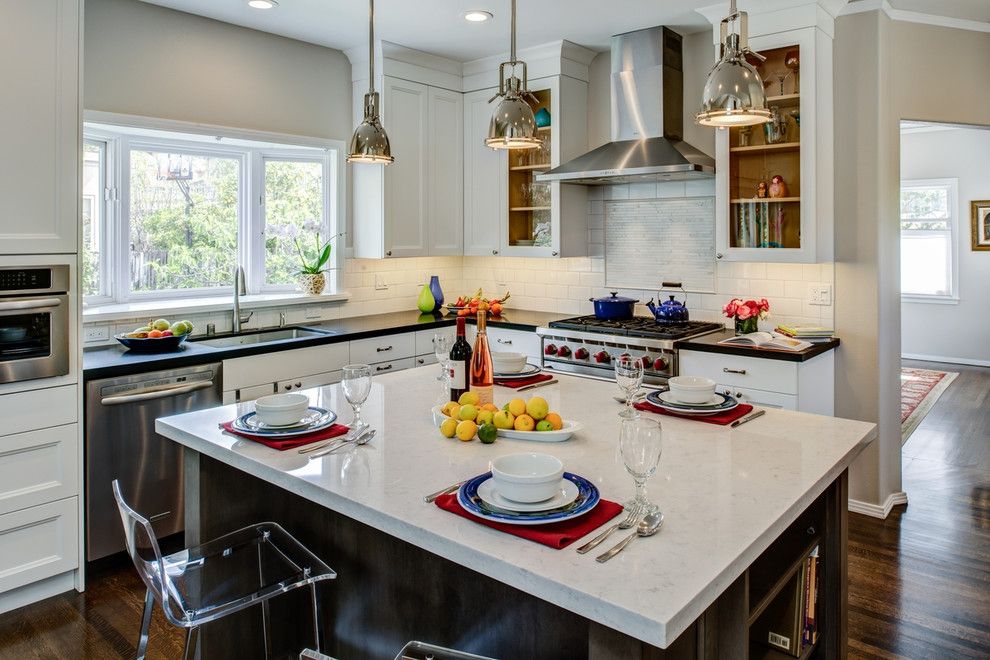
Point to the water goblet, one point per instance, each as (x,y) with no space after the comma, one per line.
(629,377)
(356,385)
(640,444)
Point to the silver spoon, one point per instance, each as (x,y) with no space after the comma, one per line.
(363,440)
(355,436)
(648,527)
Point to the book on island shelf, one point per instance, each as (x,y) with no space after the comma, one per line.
(767,340)
(790,622)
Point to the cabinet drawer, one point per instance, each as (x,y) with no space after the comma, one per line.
(425,359)
(379,349)
(515,341)
(38,467)
(241,373)
(38,409)
(307,382)
(760,397)
(38,542)
(741,371)
(379,368)
(248,393)
(424,339)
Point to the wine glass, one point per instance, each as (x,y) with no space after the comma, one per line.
(357,386)
(629,377)
(442,343)
(640,445)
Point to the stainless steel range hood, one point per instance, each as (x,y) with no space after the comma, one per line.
(647,119)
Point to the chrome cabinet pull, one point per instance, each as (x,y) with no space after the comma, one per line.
(741,372)
(382,349)
(385,368)
(507,342)
(298,385)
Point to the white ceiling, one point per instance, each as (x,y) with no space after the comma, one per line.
(437,26)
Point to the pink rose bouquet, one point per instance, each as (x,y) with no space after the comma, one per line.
(746,313)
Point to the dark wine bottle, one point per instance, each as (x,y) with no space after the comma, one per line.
(460,363)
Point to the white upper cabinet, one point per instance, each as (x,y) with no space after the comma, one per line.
(405,115)
(39,126)
(486,187)
(446,175)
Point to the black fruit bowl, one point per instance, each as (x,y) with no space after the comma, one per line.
(152,345)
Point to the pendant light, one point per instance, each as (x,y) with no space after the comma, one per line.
(369,144)
(733,94)
(513,125)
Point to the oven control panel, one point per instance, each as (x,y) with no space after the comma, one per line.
(21,280)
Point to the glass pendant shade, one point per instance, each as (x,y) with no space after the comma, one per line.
(369,144)
(733,94)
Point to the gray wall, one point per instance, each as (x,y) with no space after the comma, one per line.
(142,59)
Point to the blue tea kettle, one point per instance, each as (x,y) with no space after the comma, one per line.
(669,311)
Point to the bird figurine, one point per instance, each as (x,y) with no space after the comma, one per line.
(761,190)
(778,188)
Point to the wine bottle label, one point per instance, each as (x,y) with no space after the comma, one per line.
(458,376)
(486,394)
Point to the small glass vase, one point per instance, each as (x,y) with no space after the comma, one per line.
(437,293)
(746,326)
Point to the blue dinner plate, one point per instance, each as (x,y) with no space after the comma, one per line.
(587,499)
(325,418)
(726,403)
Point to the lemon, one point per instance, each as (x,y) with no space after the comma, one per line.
(484,417)
(503,419)
(469,399)
(447,406)
(517,407)
(490,406)
(468,411)
(466,430)
(524,423)
(449,428)
(537,408)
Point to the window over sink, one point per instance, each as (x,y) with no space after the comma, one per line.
(929,221)
(171,213)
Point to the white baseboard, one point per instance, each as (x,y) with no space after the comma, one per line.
(878,510)
(946,359)
(32,593)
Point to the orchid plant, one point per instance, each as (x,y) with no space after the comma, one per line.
(313,263)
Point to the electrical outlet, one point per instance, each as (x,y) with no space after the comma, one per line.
(312,313)
(380,283)
(96,333)
(820,294)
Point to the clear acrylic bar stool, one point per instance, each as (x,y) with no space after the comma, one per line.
(228,574)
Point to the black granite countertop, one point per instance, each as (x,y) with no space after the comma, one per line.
(113,361)
(709,344)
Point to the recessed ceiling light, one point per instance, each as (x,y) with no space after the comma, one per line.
(477,16)
(262,4)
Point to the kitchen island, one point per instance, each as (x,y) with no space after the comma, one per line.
(741,505)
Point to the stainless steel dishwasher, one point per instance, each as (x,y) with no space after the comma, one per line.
(121,443)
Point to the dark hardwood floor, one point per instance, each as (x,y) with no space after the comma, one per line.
(919,581)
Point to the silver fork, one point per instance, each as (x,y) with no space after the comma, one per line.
(630,520)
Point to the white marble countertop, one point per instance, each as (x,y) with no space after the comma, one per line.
(726,494)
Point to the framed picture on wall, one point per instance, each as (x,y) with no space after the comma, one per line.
(981,224)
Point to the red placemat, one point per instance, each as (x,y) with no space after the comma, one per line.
(515,383)
(289,443)
(556,535)
(721,419)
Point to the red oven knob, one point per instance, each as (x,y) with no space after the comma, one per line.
(625,355)
(563,352)
(581,353)
(659,364)
(550,349)
(601,357)
(647,361)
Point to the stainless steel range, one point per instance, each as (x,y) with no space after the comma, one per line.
(587,345)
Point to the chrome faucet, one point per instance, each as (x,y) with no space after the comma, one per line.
(239,290)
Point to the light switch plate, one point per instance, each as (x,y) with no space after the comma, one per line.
(312,313)
(820,294)
(380,283)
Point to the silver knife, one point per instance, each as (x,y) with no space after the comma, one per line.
(334,441)
(535,385)
(748,418)
(449,489)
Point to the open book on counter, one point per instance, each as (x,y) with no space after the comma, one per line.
(767,340)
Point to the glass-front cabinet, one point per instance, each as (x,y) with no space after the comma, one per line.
(772,177)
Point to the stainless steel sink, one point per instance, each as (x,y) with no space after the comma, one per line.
(260,337)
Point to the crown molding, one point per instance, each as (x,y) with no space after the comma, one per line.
(903,15)
(771,16)
(560,57)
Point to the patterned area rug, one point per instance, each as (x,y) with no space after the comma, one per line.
(920,389)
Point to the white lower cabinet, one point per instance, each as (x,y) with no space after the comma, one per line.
(382,349)
(514,341)
(807,386)
(306,382)
(38,543)
(247,378)
(38,467)
(393,365)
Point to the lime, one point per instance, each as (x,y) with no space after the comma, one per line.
(544,425)
(487,433)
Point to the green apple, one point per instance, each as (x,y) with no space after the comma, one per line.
(161,324)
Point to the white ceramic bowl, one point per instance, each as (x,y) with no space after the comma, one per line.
(528,477)
(281,409)
(508,363)
(692,389)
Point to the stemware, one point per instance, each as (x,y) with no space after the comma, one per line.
(629,377)
(640,444)
(356,385)
(442,343)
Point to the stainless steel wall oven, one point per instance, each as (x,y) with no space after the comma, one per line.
(34,322)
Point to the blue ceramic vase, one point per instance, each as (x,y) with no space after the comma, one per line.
(437,292)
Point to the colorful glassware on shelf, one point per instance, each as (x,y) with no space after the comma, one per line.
(777,187)
(542,118)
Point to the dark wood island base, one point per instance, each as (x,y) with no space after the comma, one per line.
(389,592)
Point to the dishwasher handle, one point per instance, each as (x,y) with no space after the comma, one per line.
(155,394)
